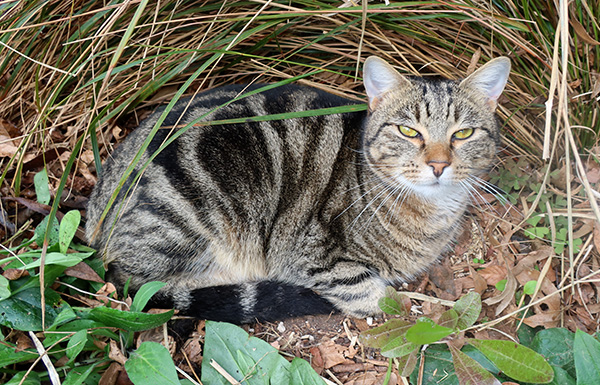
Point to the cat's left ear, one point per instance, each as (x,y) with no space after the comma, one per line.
(490,79)
(379,78)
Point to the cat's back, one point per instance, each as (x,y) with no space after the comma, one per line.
(245,148)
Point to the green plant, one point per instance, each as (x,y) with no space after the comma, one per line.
(59,330)
(515,179)
(455,360)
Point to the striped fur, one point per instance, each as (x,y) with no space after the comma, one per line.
(265,220)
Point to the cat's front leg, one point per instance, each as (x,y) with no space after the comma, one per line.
(352,288)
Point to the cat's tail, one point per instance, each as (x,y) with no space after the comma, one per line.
(250,302)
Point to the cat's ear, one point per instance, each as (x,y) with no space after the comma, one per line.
(490,79)
(379,78)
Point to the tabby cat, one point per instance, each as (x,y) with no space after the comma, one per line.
(272,219)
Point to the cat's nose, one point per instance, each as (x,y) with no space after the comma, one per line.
(438,166)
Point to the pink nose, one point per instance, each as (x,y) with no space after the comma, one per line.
(438,166)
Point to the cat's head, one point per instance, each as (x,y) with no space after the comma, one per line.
(432,136)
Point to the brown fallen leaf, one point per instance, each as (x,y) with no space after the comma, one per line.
(83,271)
(480,284)
(110,375)
(582,33)
(193,349)
(14,274)
(317,360)
(493,274)
(23,342)
(8,146)
(332,354)
(115,353)
(507,297)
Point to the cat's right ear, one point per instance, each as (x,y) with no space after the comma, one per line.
(379,78)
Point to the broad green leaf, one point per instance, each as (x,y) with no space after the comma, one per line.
(4,288)
(76,344)
(468,308)
(449,319)
(529,287)
(402,304)
(223,341)
(65,315)
(587,358)
(470,372)
(438,367)
(516,361)
(151,363)
(22,311)
(501,285)
(379,336)
(40,231)
(562,377)
(398,347)
(425,331)
(390,306)
(32,379)
(144,294)
(9,355)
(526,335)
(79,375)
(67,229)
(301,373)
(42,191)
(556,345)
(407,363)
(129,320)
(60,259)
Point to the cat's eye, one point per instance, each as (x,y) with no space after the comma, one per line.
(463,134)
(408,132)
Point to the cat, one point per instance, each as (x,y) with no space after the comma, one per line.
(274,219)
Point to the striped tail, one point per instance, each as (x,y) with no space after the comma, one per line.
(256,301)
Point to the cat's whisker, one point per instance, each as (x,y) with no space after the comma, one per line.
(380,184)
(401,194)
(476,196)
(384,200)
(490,189)
(355,221)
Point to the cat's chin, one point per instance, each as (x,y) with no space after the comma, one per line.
(438,190)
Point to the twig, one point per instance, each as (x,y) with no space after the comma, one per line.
(52,373)
(223,372)
(183,373)
(424,297)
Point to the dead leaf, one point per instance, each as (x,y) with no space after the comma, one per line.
(440,274)
(84,271)
(581,32)
(507,296)
(317,360)
(14,274)
(474,61)
(493,274)
(332,354)
(23,342)
(193,349)
(547,320)
(597,236)
(116,354)
(479,283)
(8,146)
(110,375)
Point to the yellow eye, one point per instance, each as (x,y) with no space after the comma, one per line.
(463,134)
(409,132)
